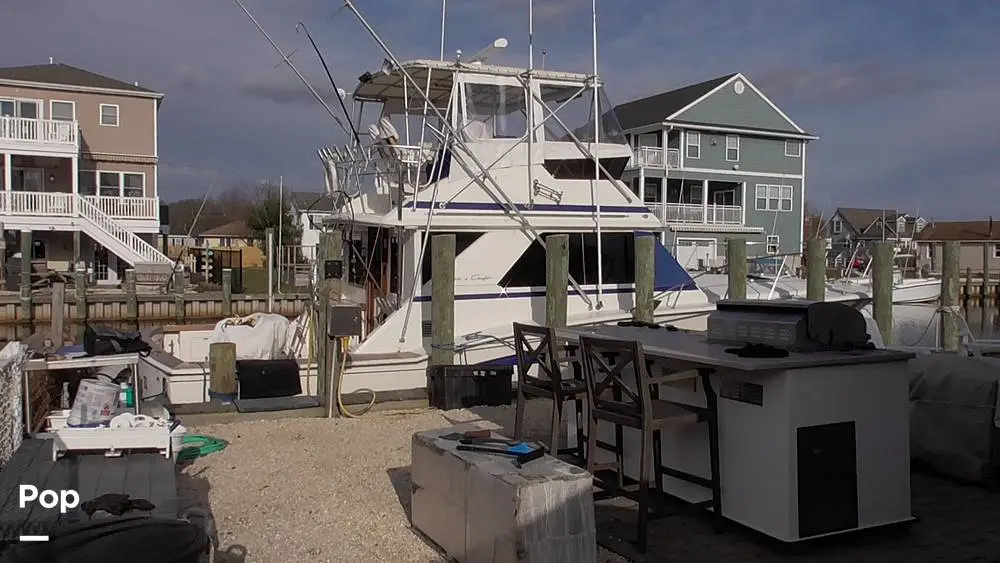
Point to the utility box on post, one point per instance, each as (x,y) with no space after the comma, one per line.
(343,319)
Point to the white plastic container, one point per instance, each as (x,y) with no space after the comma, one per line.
(57,419)
(96,401)
(177,440)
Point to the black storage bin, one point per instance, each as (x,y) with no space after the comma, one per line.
(457,387)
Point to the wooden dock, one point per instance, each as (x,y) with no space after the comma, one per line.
(147,476)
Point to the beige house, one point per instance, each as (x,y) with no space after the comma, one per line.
(78,163)
(979,242)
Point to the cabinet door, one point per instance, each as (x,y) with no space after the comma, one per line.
(827,478)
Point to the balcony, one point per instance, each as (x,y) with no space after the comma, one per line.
(55,204)
(693,213)
(39,135)
(652,157)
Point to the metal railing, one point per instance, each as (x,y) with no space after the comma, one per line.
(39,131)
(63,204)
(698,214)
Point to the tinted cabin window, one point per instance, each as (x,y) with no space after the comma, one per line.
(618,262)
(583,168)
(462,241)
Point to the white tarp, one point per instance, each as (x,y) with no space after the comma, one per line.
(259,336)
(953,414)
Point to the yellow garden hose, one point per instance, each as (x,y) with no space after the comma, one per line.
(344,343)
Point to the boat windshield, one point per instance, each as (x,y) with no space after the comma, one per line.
(578,114)
(494,111)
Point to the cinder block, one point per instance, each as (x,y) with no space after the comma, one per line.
(480,508)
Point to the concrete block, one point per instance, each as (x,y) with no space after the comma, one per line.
(480,508)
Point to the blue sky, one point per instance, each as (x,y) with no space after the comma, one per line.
(905,95)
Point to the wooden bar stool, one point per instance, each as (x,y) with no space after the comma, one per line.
(631,402)
(535,346)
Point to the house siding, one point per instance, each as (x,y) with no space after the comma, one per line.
(756,155)
(134,136)
(726,107)
(970,256)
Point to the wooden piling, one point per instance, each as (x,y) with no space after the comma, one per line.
(227,292)
(882,289)
(27,309)
(76,250)
(984,294)
(330,248)
(967,298)
(179,304)
(645,256)
(816,269)
(131,299)
(556,280)
(442,300)
(222,368)
(949,295)
(57,316)
(3,253)
(736,265)
(80,289)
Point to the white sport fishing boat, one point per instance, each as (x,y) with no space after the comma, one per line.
(500,157)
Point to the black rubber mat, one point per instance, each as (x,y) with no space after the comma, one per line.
(277,404)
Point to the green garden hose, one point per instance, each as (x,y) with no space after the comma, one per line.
(196,446)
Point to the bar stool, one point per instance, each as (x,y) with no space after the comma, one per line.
(611,398)
(536,345)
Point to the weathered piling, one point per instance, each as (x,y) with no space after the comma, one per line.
(131,298)
(270,269)
(816,269)
(330,250)
(736,265)
(442,299)
(227,292)
(179,304)
(645,255)
(80,313)
(882,289)
(26,308)
(949,295)
(967,298)
(556,280)
(984,294)
(222,368)
(56,322)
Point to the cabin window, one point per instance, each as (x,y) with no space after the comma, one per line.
(577,115)
(494,111)
(618,261)
(583,168)
(462,241)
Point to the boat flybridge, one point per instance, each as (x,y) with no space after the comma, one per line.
(500,157)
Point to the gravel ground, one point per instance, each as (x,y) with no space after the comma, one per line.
(317,490)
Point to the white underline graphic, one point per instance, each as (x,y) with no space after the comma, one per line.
(33,538)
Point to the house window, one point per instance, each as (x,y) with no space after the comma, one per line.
(996,250)
(62,111)
(693,144)
(38,250)
(838,226)
(135,184)
(732,148)
(928,248)
(773,244)
(793,148)
(87,182)
(109,115)
(773,198)
(110,184)
(225,241)
(27,109)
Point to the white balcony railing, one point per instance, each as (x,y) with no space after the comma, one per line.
(652,157)
(56,204)
(22,130)
(693,213)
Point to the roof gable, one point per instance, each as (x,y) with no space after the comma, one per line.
(654,109)
(860,219)
(66,75)
(736,102)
